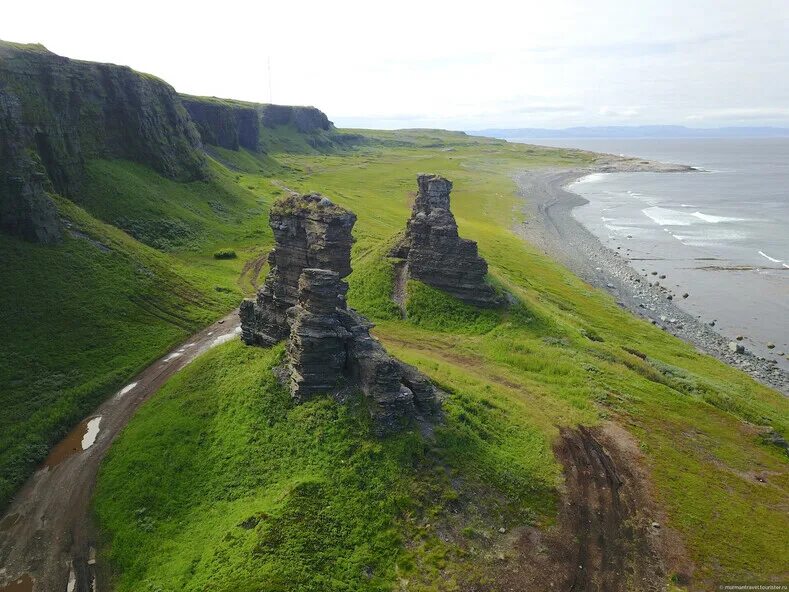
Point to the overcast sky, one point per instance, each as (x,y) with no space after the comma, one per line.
(458,65)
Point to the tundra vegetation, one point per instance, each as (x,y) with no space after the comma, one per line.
(222,482)
(235,485)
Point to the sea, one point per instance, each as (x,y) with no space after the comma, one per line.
(721,234)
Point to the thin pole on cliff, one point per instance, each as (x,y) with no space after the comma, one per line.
(270,94)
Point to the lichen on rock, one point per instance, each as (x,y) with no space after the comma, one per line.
(435,253)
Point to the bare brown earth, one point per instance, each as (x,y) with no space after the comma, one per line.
(608,536)
(46,541)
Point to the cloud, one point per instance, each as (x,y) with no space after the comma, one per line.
(620,112)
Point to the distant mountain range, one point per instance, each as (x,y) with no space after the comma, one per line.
(639,131)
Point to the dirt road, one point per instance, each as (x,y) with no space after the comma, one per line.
(46,540)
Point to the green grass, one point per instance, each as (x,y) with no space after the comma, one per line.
(563,356)
(79,319)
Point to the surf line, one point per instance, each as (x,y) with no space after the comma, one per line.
(766,256)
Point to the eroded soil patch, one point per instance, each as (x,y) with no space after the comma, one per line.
(608,536)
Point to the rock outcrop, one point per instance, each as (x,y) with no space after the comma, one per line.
(309,232)
(434,252)
(305,119)
(228,124)
(26,210)
(316,349)
(330,349)
(71,111)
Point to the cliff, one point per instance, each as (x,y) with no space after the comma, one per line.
(231,124)
(228,124)
(59,113)
(306,120)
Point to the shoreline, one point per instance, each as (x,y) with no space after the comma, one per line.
(551,226)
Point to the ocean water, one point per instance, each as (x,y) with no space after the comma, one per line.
(721,235)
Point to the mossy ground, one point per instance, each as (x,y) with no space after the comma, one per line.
(331,507)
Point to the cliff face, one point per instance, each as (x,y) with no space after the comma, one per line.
(64,112)
(232,124)
(224,124)
(434,252)
(305,119)
(25,208)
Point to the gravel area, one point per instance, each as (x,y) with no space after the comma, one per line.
(551,226)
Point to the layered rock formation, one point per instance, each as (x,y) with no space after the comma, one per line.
(228,124)
(309,232)
(305,119)
(316,349)
(26,210)
(71,111)
(329,347)
(434,252)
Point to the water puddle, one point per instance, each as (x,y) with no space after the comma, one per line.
(128,388)
(91,433)
(172,356)
(226,337)
(9,521)
(72,579)
(80,438)
(23,584)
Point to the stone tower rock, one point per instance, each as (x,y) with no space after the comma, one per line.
(316,348)
(309,232)
(330,349)
(434,252)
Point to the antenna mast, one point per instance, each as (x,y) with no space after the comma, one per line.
(270,95)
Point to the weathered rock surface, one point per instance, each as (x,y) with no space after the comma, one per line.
(304,119)
(330,348)
(309,232)
(70,111)
(317,345)
(435,254)
(26,210)
(228,124)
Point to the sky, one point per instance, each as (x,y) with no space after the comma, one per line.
(463,65)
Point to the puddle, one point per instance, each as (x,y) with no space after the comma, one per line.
(225,338)
(125,390)
(23,584)
(80,438)
(9,521)
(91,433)
(172,356)
(72,579)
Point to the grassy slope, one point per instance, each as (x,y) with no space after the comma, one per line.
(71,342)
(79,319)
(240,449)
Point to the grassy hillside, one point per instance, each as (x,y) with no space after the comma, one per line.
(236,486)
(79,319)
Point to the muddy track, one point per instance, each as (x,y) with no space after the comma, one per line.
(609,535)
(47,542)
(251,271)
